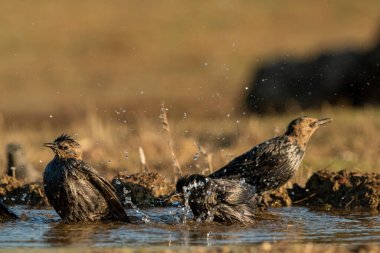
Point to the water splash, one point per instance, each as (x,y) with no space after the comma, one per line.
(128,201)
(186,210)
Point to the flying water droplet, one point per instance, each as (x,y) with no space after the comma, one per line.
(128,201)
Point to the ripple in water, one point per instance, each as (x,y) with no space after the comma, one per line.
(167,227)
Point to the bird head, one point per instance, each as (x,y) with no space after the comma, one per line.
(301,129)
(190,182)
(65,147)
(185,185)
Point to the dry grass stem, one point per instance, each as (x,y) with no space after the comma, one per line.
(144,165)
(165,125)
(208,157)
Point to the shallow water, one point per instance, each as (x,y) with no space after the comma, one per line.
(42,228)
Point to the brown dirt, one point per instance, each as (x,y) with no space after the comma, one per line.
(277,198)
(146,188)
(341,189)
(325,189)
(15,191)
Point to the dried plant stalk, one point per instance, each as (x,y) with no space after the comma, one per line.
(165,125)
(144,165)
(208,157)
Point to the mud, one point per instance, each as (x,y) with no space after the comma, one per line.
(145,189)
(341,189)
(277,198)
(325,189)
(15,191)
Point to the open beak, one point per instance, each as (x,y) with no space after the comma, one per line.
(50,145)
(323,121)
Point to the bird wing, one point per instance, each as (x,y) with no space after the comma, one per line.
(257,166)
(233,201)
(261,156)
(104,187)
(233,192)
(6,213)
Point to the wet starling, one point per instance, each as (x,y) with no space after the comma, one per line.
(272,163)
(219,200)
(6,213)
(76,190)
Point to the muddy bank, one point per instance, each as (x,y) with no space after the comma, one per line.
(143,189)
(15,191)
(324,189)
(341,189)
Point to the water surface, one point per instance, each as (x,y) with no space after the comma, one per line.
(164,227)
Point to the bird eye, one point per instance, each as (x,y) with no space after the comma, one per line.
(65,147)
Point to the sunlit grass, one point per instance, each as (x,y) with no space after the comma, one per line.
(99,72)
(349,142)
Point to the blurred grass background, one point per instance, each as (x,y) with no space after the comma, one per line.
(99,70)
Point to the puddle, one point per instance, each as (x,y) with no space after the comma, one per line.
(42,228)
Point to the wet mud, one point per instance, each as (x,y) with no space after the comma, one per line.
(15,191)
(325,189)
(341,189)
(144,189)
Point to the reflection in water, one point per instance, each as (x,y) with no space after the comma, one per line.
(295,224)
(61,234)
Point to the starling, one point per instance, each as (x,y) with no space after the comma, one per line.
(6,213)
(220,200)
(272,163)
(76,190)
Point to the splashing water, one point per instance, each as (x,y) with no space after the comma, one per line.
(128,201)
(186,208)
(43,229)
(186,213)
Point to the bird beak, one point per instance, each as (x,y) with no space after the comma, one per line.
(50,145)
(323,121)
